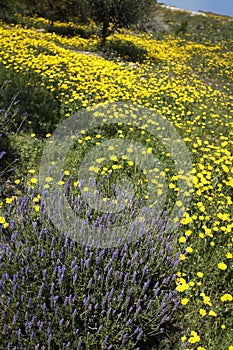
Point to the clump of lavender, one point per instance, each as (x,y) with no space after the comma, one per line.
(56,293)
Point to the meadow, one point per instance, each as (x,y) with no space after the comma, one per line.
(171,286)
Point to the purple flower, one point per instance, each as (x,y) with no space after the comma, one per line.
(146,285)
(41,291)
(127,301)
(4,329)
(138,310)
(74,314)
(32,336)
(124,338)
(126,278)
(76,331)
(19,333)
(139,336)
(90,283)
(2,154)
(106,339)
(44,308)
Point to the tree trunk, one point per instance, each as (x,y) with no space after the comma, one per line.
(104,35)
(50,24)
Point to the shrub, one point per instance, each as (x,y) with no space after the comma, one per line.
(39,103)
(127,50)
(182,28)
(57,293)
(68,30)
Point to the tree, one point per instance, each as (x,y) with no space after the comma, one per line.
(57,10)
(49,9)
(8,8)
(113,14)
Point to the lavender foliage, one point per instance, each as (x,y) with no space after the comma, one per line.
(57,294)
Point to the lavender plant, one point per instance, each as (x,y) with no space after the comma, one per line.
(56,293)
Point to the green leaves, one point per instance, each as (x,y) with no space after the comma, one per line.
(113,14)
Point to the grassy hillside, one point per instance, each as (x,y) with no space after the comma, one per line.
(175,66)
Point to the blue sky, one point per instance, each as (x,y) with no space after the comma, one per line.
(223,7)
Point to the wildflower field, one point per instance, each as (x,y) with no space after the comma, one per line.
(164,105)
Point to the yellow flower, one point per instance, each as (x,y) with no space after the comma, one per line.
(49,179)
(33,180)
(182,239)
(66,172)
(182,287)
(149,150)
(186,220)
(226,297)
(184,301)
(60,182)
(100,160)
(37,207)
(2,220)
(202,312)
(194,338)
(222,266)
(188,233)
(95,169)
(229,255)
(189,250)
(17,181)
(200,274)
(182,257)
(114,158)
(115,166)
(9,200)
(206,300)
(212,313)
(87,138)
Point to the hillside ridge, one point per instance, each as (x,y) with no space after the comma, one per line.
(192,13)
